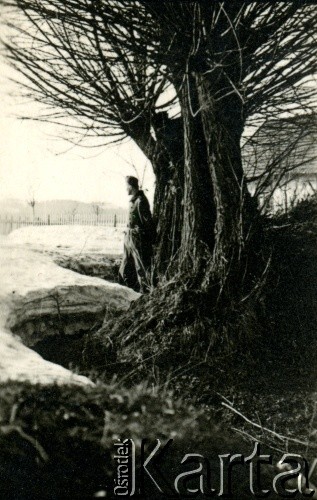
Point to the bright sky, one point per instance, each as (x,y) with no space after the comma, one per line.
(32,161)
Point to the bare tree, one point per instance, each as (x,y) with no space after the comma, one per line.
(32,202)
(229,64)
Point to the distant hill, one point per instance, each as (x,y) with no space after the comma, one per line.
(57,207)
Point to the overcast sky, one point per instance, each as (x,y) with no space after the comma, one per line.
(32,161)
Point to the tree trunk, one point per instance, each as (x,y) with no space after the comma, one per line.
(168,215)
(202,207)
(166,153)
(168,165)
(223,126)
(199,210)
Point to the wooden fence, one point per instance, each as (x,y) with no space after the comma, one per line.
(8,222)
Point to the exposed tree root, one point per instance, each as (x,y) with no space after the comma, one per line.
(173,326)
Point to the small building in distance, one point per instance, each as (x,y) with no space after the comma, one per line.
(280,161)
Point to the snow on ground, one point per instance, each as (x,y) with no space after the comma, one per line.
(30,283)
(20,363)
(23,271)
(68,240)
(27,280)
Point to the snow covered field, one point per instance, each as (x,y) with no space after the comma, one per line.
(68,240)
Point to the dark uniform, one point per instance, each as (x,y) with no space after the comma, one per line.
(138,242)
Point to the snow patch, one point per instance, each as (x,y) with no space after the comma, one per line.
(31,285)
(19,363)
(69,239)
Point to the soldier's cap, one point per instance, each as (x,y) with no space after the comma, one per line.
(132,181)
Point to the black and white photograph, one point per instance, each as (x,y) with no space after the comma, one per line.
(158,249)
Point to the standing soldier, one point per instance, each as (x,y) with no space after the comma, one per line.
(138,241)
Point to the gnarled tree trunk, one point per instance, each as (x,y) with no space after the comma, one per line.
(168,165)
(223,123)
(199,210)
(166,153)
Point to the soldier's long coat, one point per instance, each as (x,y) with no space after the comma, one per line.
(138,244)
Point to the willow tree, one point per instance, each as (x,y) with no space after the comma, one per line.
(229,63)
